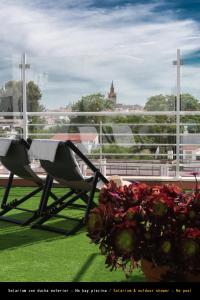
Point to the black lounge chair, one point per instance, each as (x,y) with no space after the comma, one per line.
(65,170)
(15,159)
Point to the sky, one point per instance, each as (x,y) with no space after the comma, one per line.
(77,47)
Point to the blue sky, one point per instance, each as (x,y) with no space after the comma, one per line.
(77,47)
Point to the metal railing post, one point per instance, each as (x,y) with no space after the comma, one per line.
(100,140)
(23,67)
(24,99)
(178,92)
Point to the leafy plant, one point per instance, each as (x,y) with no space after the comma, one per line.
(157,223)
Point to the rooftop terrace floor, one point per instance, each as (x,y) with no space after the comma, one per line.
(32,255)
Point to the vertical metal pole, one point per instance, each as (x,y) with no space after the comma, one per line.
(100,140)
(178,65)
(24,98)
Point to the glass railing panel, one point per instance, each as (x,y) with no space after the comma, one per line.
(11,123)
(190,118)
(68,97)
(110,83)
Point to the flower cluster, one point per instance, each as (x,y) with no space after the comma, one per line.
(158,223)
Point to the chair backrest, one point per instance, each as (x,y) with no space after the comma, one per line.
(123,135)
(17,161)
(89,139)
(65,168)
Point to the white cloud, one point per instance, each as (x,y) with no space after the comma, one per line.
(83,49)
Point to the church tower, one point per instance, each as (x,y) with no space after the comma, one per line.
(112,96)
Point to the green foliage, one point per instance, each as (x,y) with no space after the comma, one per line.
(163,125)
(11,97)
(33,97)
(189,102)
(24,250)
(91,103)
(168,103)
(115,150)
(156,103)
(11,100)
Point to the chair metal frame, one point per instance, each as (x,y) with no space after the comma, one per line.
(69,199)
(7,205)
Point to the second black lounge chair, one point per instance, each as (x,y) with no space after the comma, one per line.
(65,170)
(14,156)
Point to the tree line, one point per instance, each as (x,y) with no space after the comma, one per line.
(144,128)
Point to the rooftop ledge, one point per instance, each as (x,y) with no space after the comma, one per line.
(183,182)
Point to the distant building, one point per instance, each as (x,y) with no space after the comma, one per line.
(67,108)
(191,153)
(190,146)
(128,107)
(112,96)
(52,119)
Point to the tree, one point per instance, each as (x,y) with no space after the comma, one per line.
(168,103)
(34,96)
(11,99)
(91,103)
(156,103)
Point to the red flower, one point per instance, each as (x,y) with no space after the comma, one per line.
(160,223)
(118,215)
(192,233)
(159,205)
(155,191)
(172,190)
(133,212)
(96,223)
(107,192)
(181,211)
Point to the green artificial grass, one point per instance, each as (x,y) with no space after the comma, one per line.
(33,255)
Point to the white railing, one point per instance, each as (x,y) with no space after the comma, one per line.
(144,152)
(145,158)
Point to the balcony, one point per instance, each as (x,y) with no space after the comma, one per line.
(150,146)
(146,150)
(137,144)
